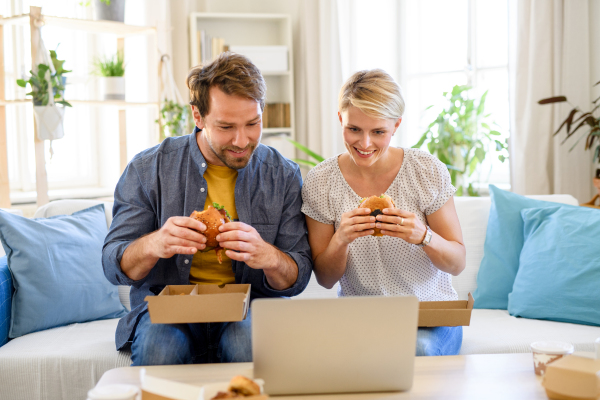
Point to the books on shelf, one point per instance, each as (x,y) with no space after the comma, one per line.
(209,47)
(276,115)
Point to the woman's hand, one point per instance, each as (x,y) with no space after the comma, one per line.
(354,224)
(401,224)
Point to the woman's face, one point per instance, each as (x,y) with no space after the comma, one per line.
(366,138)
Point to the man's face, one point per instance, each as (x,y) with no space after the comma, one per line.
(230,131)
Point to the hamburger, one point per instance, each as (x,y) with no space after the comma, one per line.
(376,204)
(213,217)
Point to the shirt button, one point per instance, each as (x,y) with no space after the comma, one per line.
(202,190)
(203,165)
(187,261)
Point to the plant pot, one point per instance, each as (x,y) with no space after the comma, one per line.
(49,120)
(112,87)
(597,184)
(115,11)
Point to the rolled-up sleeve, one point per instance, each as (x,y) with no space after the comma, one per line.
(292,237)
(133,217)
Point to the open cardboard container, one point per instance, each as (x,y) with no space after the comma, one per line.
(177,304)
(445,313)
(573,377)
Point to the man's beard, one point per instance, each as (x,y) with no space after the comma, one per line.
(233,162)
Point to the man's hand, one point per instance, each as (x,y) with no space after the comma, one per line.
(248,245)
(243,243)
(178,236)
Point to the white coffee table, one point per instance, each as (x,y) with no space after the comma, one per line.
(486,376)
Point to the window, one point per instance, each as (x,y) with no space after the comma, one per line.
(88,155)
(429,46)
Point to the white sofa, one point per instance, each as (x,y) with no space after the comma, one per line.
(65,362)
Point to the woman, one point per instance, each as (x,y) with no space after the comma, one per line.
(407,260)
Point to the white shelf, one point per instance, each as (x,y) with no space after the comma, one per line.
(276,130)
(87,25)
(113,103)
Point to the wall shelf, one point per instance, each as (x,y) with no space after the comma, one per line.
(121,31)
(86,25)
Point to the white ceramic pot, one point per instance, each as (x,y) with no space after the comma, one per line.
(112,87)
(49,120)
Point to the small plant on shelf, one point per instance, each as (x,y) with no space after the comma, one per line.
(110,65)
(111,70)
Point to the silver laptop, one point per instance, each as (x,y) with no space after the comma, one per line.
(344,345)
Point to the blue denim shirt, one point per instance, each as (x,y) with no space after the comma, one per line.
(166,181)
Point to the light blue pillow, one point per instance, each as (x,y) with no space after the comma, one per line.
(503,244)
(57,272)
(559,272)
(6,289)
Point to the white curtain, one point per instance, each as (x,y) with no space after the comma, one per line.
(552,58)
(320,78)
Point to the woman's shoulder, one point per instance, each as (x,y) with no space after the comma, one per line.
(422,162)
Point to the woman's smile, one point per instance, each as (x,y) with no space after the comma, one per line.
(364,153)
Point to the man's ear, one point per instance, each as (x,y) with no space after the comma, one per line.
(340,117)
(197,118)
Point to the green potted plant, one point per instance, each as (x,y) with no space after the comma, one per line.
(48,115)
(308,152)
(175,119)
(111,70)
(577,119)
(461,136)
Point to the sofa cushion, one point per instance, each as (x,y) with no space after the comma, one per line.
(57,271)
(59,363)
(503,243)
(495,331)
(559,267)
(6,289)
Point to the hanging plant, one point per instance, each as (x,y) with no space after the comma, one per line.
(175,119)
(39,85)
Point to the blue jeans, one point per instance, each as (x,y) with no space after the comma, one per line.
(439,341)
(168,344)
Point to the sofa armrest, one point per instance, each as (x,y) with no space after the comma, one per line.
(6,290)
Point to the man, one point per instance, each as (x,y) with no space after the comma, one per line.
(152,241)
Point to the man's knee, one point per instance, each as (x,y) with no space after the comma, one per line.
(162,344)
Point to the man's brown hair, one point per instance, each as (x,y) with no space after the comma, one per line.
(233,73)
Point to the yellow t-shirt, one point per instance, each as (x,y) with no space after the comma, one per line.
(220,182)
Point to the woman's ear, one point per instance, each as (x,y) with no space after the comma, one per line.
(197,118)
(396,125)
(340,117)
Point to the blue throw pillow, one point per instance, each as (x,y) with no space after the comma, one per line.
(559,274)
(57,271)
(502,247)
(6,289)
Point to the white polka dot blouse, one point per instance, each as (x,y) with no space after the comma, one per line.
(385,265)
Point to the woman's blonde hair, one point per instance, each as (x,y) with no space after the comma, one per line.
(374,92)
